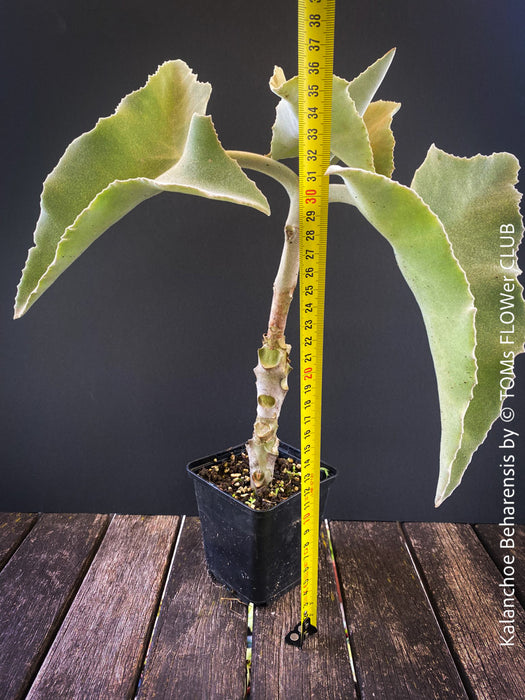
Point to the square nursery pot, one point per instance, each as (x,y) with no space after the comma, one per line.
(254,553)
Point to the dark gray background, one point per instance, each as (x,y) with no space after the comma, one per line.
(140,357)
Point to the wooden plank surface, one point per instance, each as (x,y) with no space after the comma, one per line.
(496,541)
(99,649)
(321,669)
(36,587)
(13,528)
(199,644)
(464,584)
(400,653)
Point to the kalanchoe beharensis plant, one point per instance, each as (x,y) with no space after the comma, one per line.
(442,228)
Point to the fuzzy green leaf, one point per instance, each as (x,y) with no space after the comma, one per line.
(477,202)
(349,136)
(424,255)
(378,118)
(285,131)
(349,102)
(363,88)
(157,140)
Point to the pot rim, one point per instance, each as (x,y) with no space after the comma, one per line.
(194,465)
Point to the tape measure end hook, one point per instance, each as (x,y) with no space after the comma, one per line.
(297,636)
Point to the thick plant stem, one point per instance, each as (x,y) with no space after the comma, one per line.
(273,364)
(273,367)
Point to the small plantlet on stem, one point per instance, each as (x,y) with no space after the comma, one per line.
(441,229)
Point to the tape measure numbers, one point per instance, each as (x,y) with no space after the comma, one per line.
(316,44)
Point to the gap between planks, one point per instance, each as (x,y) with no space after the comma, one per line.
(464,585)
(153,632)
(198,648)
(399,649)
(99,649)
(194,610)
(322,667)
(14,528)
(410,533)
(491,537)
(38,584)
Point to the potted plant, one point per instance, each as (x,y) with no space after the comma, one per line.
(442,229)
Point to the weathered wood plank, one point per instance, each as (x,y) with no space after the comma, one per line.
(464,585)
(492,536)
(36,588)
(99,649)
(13,528)
(199,644)
(321,669)
(399,650)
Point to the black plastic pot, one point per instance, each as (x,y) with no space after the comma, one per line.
(254,553)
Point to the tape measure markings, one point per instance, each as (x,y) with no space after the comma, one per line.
(316,40)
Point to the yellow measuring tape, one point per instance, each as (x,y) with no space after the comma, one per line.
(316,46)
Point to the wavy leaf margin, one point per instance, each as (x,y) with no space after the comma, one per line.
(426,259)
(478,203)
(158,139)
